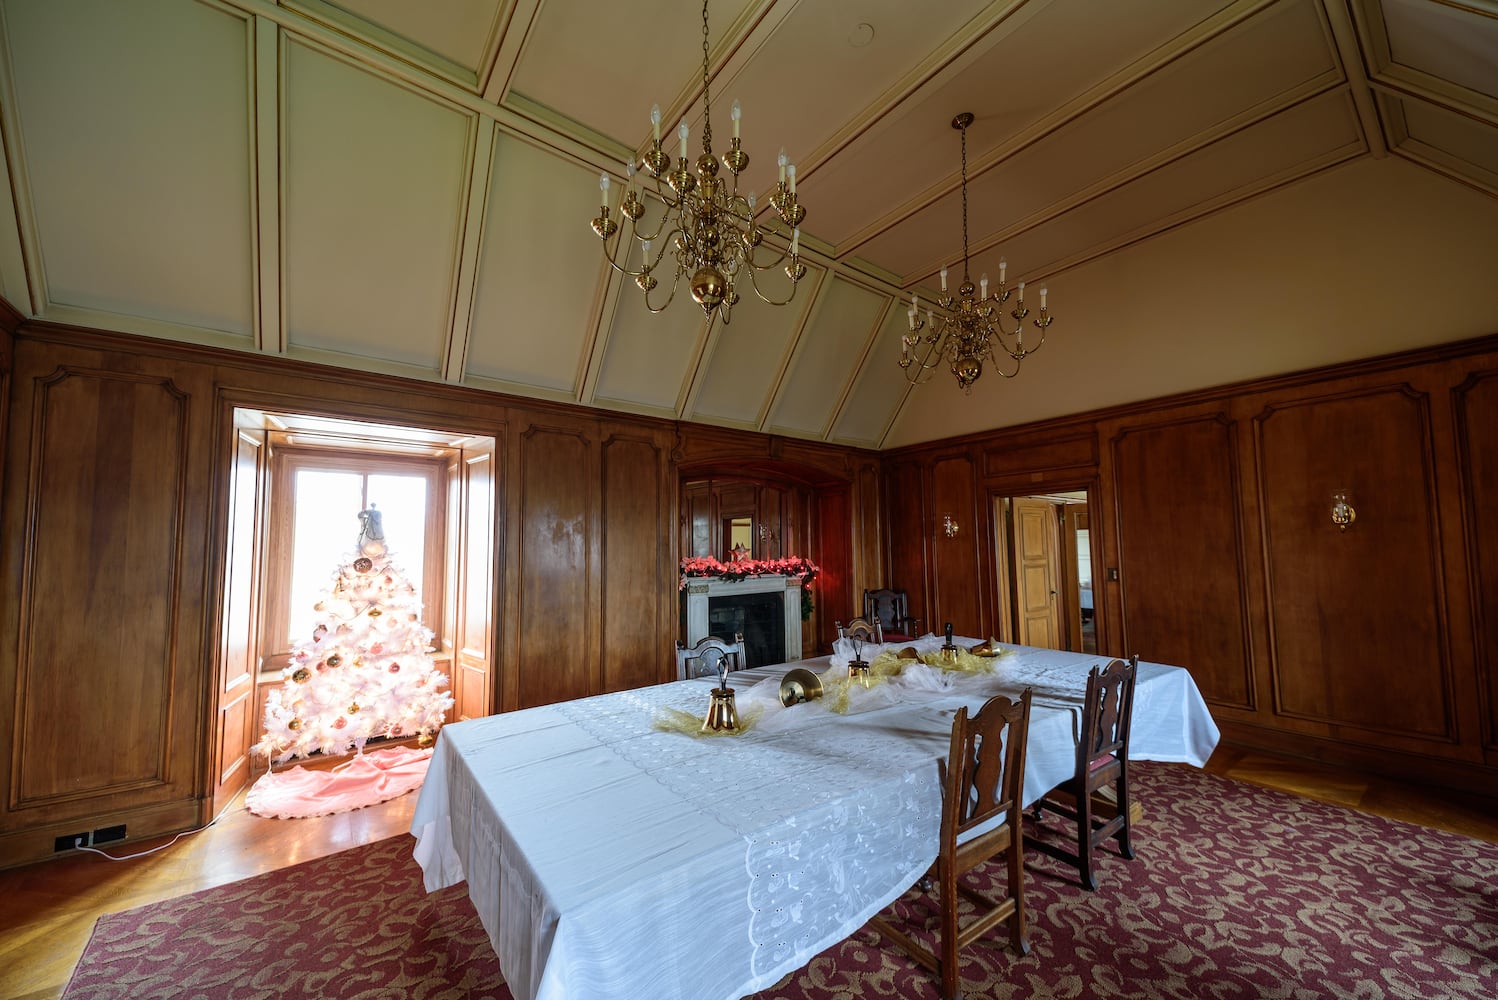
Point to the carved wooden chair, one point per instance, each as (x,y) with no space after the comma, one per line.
(981,819)
(861,629)
(1102,767)
(702,659)
(891,608)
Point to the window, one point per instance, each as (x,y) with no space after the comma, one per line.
(316,497)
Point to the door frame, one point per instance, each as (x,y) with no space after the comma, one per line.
(1003,564)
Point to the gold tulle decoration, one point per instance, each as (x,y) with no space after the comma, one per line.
(966,662)
(674,720)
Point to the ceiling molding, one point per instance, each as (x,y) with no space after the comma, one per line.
(1350,56)
(792,347)
(11,127)
(857,370)
(504,55)
(267,116)
(480,157)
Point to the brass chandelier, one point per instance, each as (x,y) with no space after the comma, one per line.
(708,228)
(970,329)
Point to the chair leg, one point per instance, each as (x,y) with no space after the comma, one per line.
(1019,932)
(951,987)
(1084,839)
(1125,840)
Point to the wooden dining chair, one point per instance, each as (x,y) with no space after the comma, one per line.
(1102,766)
(702,659)
(861,629)
(891,608)
(981,819)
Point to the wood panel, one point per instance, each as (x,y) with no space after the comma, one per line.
(557,625)
(109,451)
(905,520)
(1184,593)
(1476,404)
(1356,617)
(1051,454)
(637,570)
(957,587)
(239,664)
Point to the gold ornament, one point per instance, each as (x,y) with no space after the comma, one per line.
(301,675)
(375,612)
(294,724)
(363,565)
(353,708)
(334,660)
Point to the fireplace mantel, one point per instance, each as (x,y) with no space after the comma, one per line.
(699,591)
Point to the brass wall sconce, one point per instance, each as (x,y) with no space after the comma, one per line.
(1343,513)
(949,525)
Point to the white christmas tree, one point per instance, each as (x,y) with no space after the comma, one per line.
(365,672)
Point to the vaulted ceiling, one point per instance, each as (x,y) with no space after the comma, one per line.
(406,187)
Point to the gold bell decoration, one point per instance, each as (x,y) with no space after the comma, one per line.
(799,685)
(722,713)
(948,648)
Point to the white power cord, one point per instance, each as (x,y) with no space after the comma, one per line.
(80,846)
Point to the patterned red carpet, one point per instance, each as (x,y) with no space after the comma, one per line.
(1238,891)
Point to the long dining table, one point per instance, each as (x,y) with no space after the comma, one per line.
(611,856)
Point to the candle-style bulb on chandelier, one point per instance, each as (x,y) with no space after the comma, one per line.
(970,329)
(708,229)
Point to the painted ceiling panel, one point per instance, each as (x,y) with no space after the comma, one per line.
(140,186)
(1012,77)
(604,64)
(373,188)
(550,202)
(456,30)
(1324,126)
(1444,42)
(740,376)
(854,67)
(1205,88)
(1455,134)
(879,390)
(649,356)
(826,358)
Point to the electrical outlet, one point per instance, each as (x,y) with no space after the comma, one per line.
(109,834)
(71,842)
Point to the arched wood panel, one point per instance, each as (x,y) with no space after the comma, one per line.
(558,631)
(958,587)
(636,556)
(1357,617)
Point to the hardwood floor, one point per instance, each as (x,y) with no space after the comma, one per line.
(51,907)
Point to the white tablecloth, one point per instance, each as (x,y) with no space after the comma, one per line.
(607,859)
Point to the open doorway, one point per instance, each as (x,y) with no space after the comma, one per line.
(1044,558)
(297,484)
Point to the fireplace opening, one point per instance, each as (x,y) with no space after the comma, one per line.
(759,617)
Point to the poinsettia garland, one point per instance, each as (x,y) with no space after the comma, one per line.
(707,566)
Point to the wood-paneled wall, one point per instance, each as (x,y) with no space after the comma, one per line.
(115,520)
(1211,515)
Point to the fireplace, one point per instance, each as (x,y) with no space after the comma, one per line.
(766,609)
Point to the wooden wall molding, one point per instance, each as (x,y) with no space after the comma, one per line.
(1475,408)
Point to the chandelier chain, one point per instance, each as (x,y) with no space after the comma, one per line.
(707,101)
(965,277)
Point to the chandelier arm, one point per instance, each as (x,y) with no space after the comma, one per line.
(664,305)
(754,284)
(924,363)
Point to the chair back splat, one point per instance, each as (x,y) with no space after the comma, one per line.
(981,819)
(1096,796)
(702,659)
(891,608)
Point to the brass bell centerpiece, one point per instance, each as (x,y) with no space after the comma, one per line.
(722,714)
(798,685)
(948,648)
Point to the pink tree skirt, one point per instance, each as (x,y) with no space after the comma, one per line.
(369,778)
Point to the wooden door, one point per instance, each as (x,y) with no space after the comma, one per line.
(1037,582)
(473,675)
(239,663)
